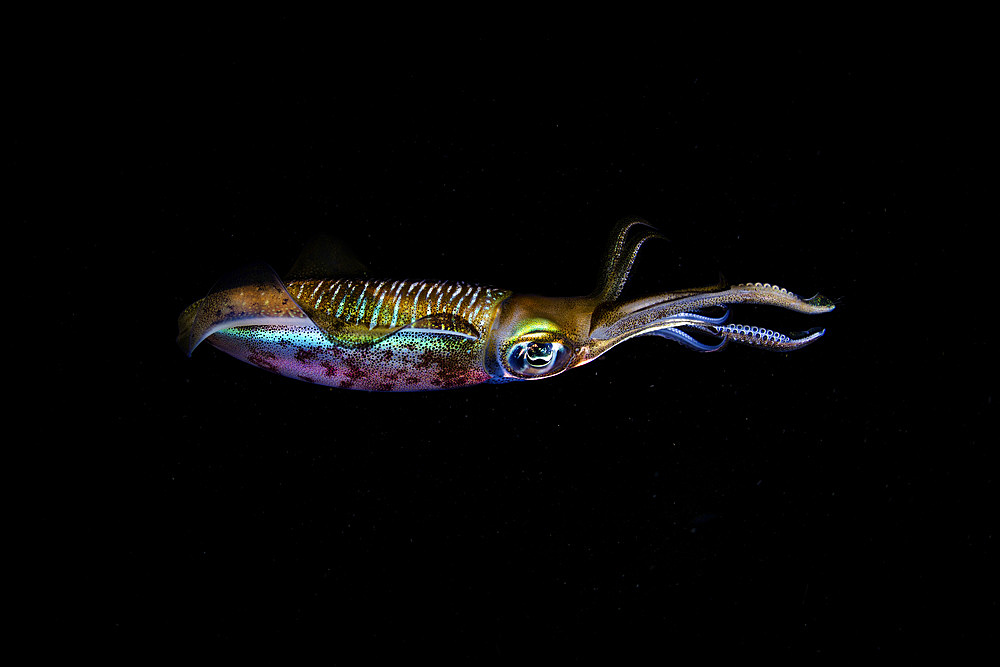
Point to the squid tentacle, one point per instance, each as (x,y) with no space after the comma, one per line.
(766,338)
(668,312)
(687,340)
(743,334)
(621,256)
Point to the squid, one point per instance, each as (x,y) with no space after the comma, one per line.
(327,322)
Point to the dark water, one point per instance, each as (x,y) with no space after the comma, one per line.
(830,501)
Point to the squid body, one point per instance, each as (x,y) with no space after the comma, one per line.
(328,323)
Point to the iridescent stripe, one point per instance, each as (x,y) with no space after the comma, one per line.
(378,307)
(334,295)
(440,296)
(343,300)
(416,300)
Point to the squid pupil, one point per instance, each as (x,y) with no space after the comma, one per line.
(539,354)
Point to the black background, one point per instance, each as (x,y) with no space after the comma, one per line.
(833,500)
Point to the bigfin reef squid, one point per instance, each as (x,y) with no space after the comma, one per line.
(328,323)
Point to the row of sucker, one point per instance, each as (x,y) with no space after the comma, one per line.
(753,335)
(770,287)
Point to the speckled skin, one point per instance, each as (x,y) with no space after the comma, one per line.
(405,361)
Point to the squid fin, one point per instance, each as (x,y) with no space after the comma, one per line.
(325,257)
(341,332)
(446,324)
(247,297)
(345,333)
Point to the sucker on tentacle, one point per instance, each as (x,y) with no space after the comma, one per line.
(328,323)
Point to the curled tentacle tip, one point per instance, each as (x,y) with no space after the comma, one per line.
(811,334)
(800,339)
(821,303)
(654,232)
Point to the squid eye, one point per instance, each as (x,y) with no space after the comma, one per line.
(539,355)
(534,358)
